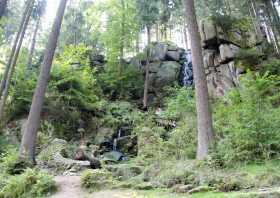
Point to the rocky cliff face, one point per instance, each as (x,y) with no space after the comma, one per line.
(169,63)
(220,53)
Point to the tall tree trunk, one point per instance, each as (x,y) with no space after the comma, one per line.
(185,31)
(271,27)
(12,67)
(121,61)
(3,7)
(8,66)
(27,149)
(137,43)
(32,46)
(157,32)
(204,116)
(146,87)
(254,20)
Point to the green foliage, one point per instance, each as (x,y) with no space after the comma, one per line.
(271,65)
(11,164)
(21,93)
(249,58)
(247,121)
(96,179)
(31,183)
(120,113)
(180,103)
(129,84)
(148,11)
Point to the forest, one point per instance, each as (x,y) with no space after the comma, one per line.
(140,98)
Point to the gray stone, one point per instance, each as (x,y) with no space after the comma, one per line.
(154,67)
(173,55)
(228,52)
(158,51)
(167,74)
(208,58)
(208,31)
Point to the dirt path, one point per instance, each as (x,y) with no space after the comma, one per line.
(70,187)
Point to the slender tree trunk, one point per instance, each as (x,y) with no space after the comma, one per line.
(271,28)
(12,67)
(146,87)
(204,116)
(254,20)
(185,32)
(32,46)
(8,66)
(27,149)
(3,7)
(137,43)
(121,61)
(157,32)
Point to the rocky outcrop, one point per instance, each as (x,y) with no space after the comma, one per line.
(165,65)
(212,35)
(220,51)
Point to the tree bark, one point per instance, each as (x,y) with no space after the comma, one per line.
(146,87)
(13,65)
(27,149)
(204,116)
(8,66)
(3,7)
(32,46)
(121,61)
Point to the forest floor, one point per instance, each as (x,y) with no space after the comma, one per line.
(70,186)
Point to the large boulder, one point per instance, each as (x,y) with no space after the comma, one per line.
(208,32)
(158,51)
(168,73)
(228,52)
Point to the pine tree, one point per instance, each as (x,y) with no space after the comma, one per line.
(27,149)
(204,116)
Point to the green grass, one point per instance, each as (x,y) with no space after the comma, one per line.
(259,168)
(167,194)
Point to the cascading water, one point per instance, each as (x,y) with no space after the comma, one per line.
(186,73)
(115,142)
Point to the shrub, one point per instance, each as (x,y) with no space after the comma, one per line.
(11,164)
(272,66)
(249,58)
(96,179)
(247,123)
(31,183)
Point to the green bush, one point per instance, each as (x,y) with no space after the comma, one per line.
(272,66)
(31,183)
(96,179)
(249,58)
(247,121)
(11,164)
(127,85)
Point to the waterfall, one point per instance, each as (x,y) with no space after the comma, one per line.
(186,74)
(115,142)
